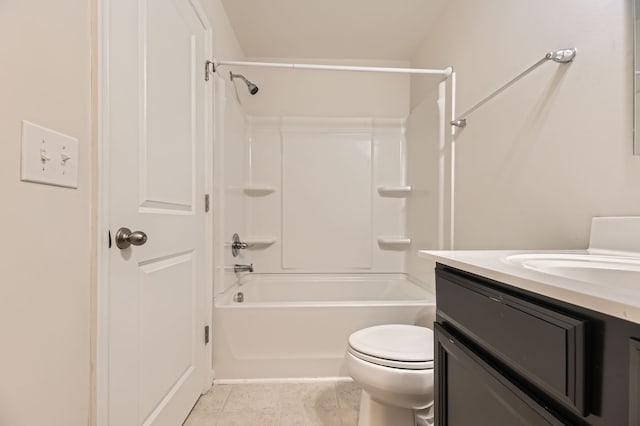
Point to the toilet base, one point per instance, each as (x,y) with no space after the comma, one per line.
(424,417)
(373,413)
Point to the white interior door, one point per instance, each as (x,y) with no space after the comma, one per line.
(155,128)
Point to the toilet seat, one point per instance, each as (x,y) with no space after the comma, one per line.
(399,346)
(403,365)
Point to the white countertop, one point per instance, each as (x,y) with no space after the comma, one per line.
(616,301)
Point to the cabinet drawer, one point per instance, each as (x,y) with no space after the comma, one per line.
(541,345)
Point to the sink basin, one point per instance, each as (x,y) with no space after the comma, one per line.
(621,271)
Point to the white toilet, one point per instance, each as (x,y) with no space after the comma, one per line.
(394,366)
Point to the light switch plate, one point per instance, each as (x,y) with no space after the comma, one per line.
(49,157)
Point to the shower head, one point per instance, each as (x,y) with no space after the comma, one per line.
(253,89)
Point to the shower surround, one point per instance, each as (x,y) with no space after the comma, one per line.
(322,204)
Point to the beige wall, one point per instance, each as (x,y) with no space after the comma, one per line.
(225,42)
(535,164)
(287,92)
(45,284)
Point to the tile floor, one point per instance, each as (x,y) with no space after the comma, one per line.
(278,404)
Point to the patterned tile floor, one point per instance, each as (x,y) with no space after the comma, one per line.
(278,404)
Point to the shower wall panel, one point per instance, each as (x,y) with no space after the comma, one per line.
(326,200)
(423,212)
(325,213)
(429,167)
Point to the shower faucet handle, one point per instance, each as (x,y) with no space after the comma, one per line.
(237,245)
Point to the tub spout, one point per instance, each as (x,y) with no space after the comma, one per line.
(243,268)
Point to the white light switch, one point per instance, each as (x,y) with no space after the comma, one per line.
(48,156)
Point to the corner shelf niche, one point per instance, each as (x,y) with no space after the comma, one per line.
(396,242)
(258,190)
(395,190)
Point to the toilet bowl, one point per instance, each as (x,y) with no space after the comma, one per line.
(394,366)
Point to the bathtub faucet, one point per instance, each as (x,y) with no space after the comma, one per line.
(243,268)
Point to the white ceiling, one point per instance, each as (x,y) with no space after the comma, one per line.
(337,29)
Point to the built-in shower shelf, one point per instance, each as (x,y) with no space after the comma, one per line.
(257,190)
(395,190)
(259,242)
(394,241)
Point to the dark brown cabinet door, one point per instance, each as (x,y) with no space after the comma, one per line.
(469,391)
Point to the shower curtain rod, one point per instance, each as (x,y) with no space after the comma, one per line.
(444,72)
(562,56)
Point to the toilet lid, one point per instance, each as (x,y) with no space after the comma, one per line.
(397,342)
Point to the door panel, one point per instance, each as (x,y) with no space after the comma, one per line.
(167,323)
(169,138)
(156,128)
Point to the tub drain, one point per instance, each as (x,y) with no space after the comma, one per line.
(238,297)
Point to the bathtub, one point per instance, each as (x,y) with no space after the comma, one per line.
(292,326)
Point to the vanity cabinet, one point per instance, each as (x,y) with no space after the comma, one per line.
(507,356)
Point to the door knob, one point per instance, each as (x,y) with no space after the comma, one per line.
(126,238)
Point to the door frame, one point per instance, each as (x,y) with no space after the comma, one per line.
(100,340)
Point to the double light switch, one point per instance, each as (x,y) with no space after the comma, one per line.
(49,157)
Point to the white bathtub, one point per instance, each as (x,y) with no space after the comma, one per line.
(297,325)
